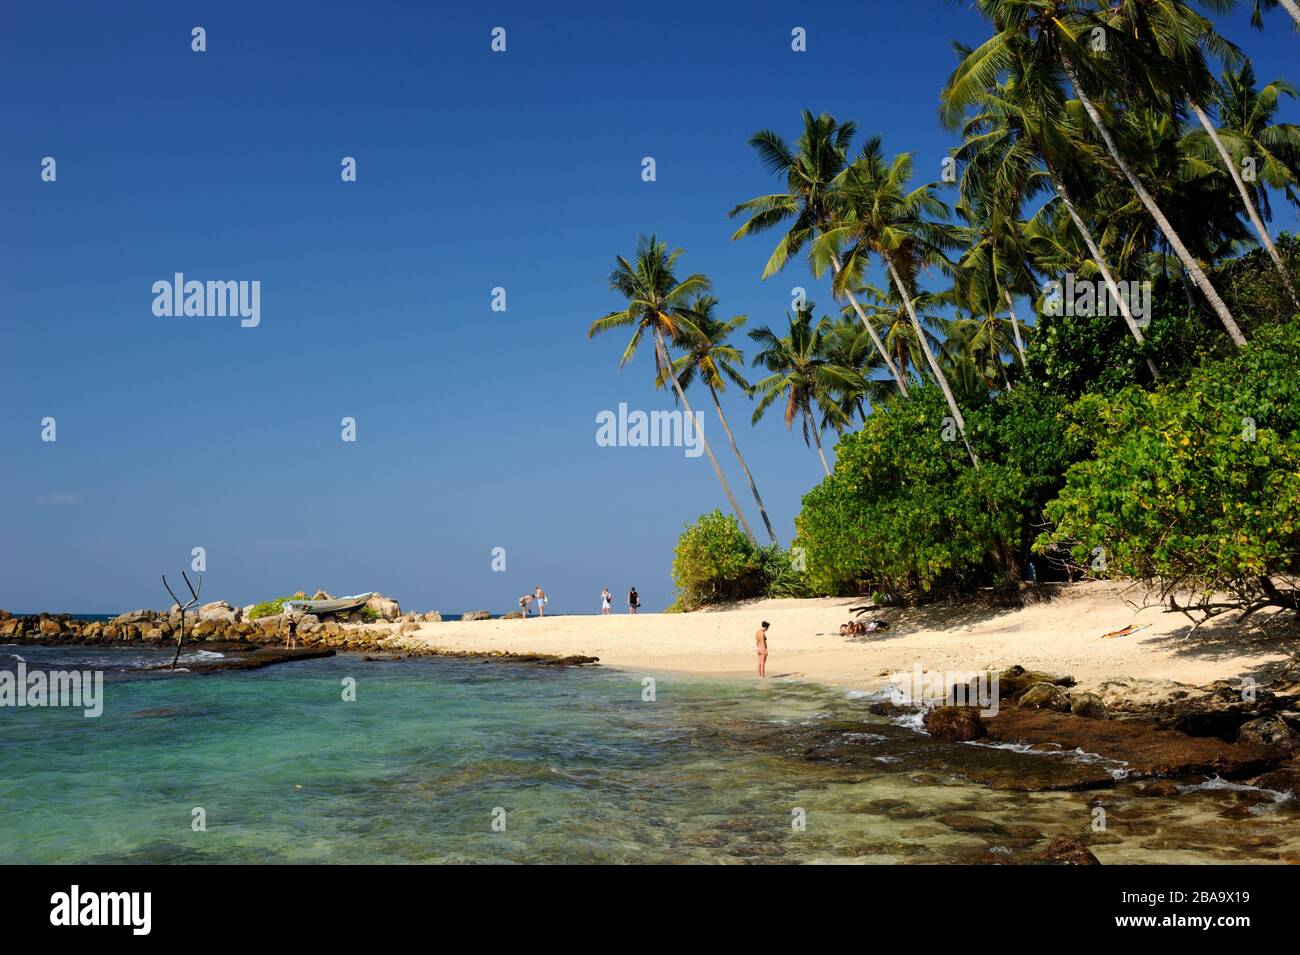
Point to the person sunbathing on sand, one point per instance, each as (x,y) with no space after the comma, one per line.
(760,637)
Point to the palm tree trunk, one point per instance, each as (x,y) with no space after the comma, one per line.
(662,349)
(1095,252)
(875,338)
(1175,241)
(817,437)
(1251,210)
(743,466)
(1015,325)
(905,294)
(1292,8)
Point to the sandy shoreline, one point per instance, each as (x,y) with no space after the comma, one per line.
(1063,635)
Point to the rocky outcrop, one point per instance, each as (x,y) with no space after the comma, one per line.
(386,607)
(1144,747)
(476,615)
(1045,696)
(1088,705)
(960,724)
(1066,851)
(1267,731)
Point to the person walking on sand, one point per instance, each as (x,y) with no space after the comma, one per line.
(540,596)
(633,600)
(606,599)
(760,637)
(524,603)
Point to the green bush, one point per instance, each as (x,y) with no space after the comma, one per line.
(904,510)
(269,608)
(714,561)
(1196,485)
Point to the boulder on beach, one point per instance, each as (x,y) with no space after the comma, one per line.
(1267,731)
(476,615)
(386,607)
(513,615)
(432,616)
(134,616)
(219,610)
(1014,681)
(960,724)
(1088,705)
(1045,696)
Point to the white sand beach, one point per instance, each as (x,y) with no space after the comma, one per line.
(1064,635)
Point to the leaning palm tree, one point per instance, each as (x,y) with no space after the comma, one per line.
(709,355)
(1257,15)
(1056,31)
(1245,115)
(876,214)
(1020,121)
(660,304)
(810,169)
(1163,45)
(801,375)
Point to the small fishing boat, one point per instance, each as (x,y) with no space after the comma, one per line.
(336,605)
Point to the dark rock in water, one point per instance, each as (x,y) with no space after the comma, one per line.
(381,657)
(1066,851)
(964,822)
(957,723)
(1147,749)
(1284,779)
(1266,731)
(1088,705)
(254,660)
(1161,788)
(1045,696)
(888,708)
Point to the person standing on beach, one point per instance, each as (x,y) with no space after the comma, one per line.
(291,638)
(760,637)
(606,599)
(540,596)
(524,602)
(633,600)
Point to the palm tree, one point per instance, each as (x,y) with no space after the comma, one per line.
(658,303)
(1257,16)
(876,214)
(1053,29)
(710,356)
(810,170)
(1167,38)
(802,375)
(1245,113)
(1018,123)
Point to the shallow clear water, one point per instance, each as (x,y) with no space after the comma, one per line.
(419,766)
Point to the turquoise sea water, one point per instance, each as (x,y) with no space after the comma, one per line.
(432,751)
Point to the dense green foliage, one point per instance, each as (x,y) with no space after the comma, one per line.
(715,561)
(905,510)
(1197,484)
(268,608)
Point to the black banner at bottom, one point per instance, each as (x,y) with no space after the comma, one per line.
(336,904)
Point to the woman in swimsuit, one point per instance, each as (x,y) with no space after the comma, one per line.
(760,637)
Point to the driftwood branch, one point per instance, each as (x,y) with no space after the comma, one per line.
(184,608)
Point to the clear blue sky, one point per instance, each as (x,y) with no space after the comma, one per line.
(476,429)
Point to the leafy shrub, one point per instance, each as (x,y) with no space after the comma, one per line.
(1198,485)
(904,510)
(369,614)
(714,561)
(269,608)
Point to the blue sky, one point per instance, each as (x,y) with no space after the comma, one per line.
(475,428)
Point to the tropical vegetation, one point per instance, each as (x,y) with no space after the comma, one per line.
(1073,352)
